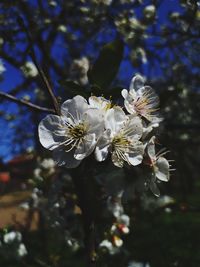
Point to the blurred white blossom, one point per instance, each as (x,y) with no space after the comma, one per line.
(12,236)
(109,246)
(62,28)
(79,69)
(22,251)
(2,67)
(29,69)
(138,264)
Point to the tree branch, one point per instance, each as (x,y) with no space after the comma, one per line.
(40,71)
(26,103)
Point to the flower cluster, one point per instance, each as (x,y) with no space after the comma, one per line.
(120,226)
(123,133)
(12,242)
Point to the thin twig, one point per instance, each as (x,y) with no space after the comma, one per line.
(40,71)
(26,103)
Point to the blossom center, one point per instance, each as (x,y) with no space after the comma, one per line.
(78,131)
(120,141)
(108,106)
(141,104)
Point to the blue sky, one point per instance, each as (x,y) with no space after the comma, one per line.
(13,76)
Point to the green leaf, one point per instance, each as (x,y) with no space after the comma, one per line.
(73,88)
(106,66)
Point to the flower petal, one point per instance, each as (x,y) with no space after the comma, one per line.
(151,148)
(66,159)
(151,95)
(134,128)
(162,171)
(147,128)
(74,108)
(118,162)
(115,119)
(135,157)
(124,93)
(137,82)
(101,151)
(98,102)
(130,107)
(85,147)
(154,188)
(51,133)
(94,119)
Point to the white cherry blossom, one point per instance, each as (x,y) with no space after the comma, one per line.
(121,139)
(159,164)
(100,103)
(73,135)
(141,99)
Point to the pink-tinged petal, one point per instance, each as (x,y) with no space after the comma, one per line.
(51,131)
(150,94)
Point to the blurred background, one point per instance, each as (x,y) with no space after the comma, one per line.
(39,214)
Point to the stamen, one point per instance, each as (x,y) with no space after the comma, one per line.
(73,145)
(72,117)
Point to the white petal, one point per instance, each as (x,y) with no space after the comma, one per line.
(135,157)
(118,162)
(51,133)
(124,93)
(162,172)
(85,147)
(74,107)
(98,102)
(130,107)
(94,119)
(66,159)
(101,153)
(134,128)
(151,148)
(115,119)
(94,102)
(154,188)
(147,128)
(152,96)
(137,82)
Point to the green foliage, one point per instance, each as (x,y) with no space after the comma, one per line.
(106,66)
(73,88)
